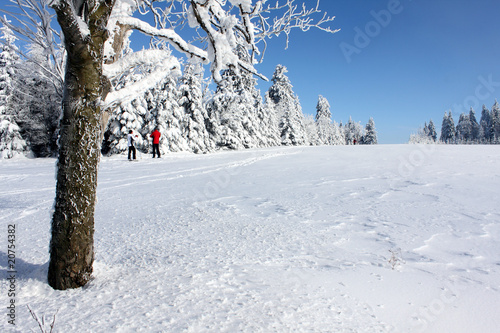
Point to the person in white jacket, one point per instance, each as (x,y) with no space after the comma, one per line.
(131,147)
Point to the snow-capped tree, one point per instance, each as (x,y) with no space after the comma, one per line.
(464,129)
(370,137)
(495,122)
(39,80)
(485,125)
(324,121)
(475,129)
(11,142)
(130,115)
(166,115)
(448,129)
(311,130)
(236,110)
(95,33)
(194,128)
(431,131)
(353,132)
(285,104)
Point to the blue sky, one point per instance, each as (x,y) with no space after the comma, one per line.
(402,69)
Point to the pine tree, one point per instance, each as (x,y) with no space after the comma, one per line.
(448,129)
(431,131)
(165,114)
(353,132)
(236,109)
(495,122)
(39,104)
(324,122)
(286,105)
(194,129)
(485,125)
(11,142)
(474,126)
(370,137)
(464,129)
(128,116)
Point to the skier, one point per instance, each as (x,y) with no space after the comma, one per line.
(131,148)
(156,142)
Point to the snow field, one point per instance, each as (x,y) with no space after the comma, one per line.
(272,240)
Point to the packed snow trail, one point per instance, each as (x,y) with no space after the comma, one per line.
(389,238)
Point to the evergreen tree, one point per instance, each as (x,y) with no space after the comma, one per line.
(370,137)
(431,131)
(236,111)
(448,129)
(128,116)
(464,129)
(232,120)
(485,125)
(165,114)
(286,105)
(11,142)
(194,128)
(324,122)
(474,126)
(495,122)
(39,104)
(353,132)
(311,128)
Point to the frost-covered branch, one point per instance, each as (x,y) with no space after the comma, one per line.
(292,18)
(165,65)
(167,34)
(253,24)
(33,25)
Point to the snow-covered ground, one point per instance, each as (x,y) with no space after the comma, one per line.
(271,240)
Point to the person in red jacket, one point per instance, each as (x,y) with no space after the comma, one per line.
(156,142)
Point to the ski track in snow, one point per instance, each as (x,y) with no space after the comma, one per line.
(272,240)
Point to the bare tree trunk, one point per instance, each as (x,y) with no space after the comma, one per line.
(72,243)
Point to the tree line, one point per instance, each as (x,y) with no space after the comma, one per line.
(467,131)
(190,116)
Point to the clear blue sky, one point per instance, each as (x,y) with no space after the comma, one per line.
(427,57)
(401,62)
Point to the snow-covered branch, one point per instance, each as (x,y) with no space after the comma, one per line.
(33,25)
(166,65)
(167,34)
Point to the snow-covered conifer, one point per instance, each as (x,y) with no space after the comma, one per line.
(485,125)
(353,132)
(193,124)
(128,116)
(370,137)
(11,142)
(324,121)
(431,130)
(474,126)
(311,128)
(464,129)
(288,110)
(495,122)
(448,128)
(237,117)
(165,114)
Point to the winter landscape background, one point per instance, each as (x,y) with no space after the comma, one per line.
(288,216)
(273,240)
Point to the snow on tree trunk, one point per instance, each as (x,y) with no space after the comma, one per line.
(71,245)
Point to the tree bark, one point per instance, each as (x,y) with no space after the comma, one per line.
(72,243)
